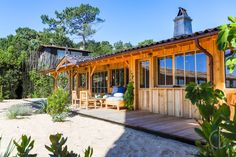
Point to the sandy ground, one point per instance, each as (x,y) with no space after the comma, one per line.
(107,140)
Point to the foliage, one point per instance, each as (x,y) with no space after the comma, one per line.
(62,80)
(1,96)
(146,42)
(9,149)
(227,40)
(42,107)
(58,103)
(99,48)
(42,84)
(129,96)
(15,111)
(24,147)
(57,148)
(75,21)
(119,46)
(216,128)
(10,70)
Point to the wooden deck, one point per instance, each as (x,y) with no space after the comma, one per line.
(166,126)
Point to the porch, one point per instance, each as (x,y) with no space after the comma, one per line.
(180,129)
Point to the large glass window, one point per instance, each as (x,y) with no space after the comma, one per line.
(201,67)
(230,78)
(144,74)
(179,70)
(60,54)
(99,82)
(117,77)
(190,67)
(165,75)
(82,80)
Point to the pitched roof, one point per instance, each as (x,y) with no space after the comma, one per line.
(63,48)
(167,41)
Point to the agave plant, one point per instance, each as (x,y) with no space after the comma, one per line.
(8,151)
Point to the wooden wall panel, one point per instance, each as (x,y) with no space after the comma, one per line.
(167,101)
(178,103)
(170,102)
(155,101)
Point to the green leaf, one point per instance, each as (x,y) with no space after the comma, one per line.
(232,19)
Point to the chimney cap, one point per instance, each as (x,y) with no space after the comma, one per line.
(182,11)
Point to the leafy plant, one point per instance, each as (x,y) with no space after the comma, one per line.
(58,149)
(1,95)
(18,110)
(9,149)
(42,107)
(58,103)
(129,96)
(227,40)
(42,84)
(216,128)
(24,147)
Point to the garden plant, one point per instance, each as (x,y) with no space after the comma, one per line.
(216,127)
(58,105)
(57,148)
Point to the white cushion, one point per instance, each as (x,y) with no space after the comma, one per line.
(118,94)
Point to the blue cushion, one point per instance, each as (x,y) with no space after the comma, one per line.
(114,90)
(121,89)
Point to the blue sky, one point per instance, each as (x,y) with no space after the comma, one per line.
(126,20)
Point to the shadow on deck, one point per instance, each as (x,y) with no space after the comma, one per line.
(180,129)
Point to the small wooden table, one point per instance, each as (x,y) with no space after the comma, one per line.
(100,101)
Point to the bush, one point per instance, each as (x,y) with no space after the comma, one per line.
(57,148)
(129,96)
(1,95)
(216,127)
(58,103)
(18,110)
(24,147)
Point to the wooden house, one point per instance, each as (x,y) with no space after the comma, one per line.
(160,71)
(50,55)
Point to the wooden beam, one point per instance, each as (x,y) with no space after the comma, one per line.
(93,69)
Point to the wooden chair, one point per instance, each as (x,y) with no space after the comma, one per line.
(75,99)
(86,101)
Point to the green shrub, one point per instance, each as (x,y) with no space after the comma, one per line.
(216,127)
(18,110)
(129,96)
(9,149)
(24,147)
(59,117)
(1,95)
(58,103)
(57,148)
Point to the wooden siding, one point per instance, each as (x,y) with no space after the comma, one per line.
(167,101)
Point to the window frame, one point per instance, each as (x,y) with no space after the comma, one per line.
(97,90)
(111,77)
(230,88)
(79,80)
(157,71)
(139,75)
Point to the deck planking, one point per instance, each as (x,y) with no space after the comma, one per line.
(181,129)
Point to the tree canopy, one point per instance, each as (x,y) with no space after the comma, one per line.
(75,21)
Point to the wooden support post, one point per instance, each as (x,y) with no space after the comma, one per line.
(55,82)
